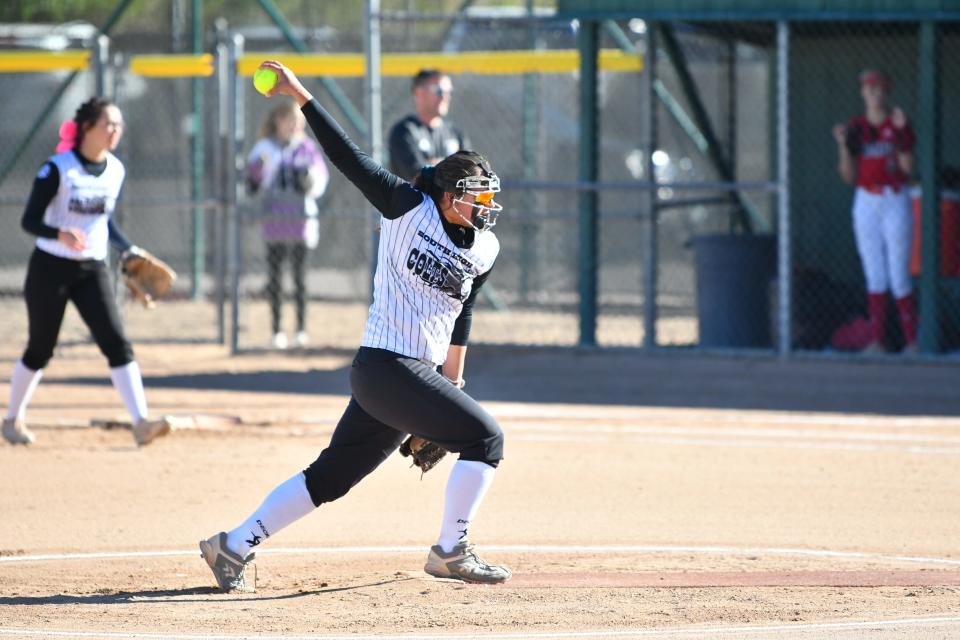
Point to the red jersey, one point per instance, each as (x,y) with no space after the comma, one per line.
(876,147)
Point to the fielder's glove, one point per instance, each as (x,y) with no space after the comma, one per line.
(425,454)
(146,276)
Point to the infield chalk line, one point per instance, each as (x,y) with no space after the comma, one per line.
(858,441)
(789,434)
(517,548)
(714,415)
(724,436)
(620,633)
(721,441)
(854,441)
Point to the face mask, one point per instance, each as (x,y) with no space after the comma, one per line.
(482,188)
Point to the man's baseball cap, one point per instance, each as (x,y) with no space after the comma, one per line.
(874,77)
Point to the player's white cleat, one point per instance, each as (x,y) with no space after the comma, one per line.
(280,341)
(463,563)
(147,430)
(228,568)
(302,339)
(16,432)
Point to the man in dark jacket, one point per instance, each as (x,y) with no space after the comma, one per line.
(425,137)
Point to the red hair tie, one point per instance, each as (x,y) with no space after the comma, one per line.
(68,136)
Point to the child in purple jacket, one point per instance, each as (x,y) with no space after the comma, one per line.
(287,172)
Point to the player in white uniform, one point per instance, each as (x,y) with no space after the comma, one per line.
(875,152)
(69,209)
(435,252)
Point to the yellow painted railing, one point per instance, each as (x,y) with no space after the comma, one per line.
(332,64)
(41,61)
(478,62)
(164,66)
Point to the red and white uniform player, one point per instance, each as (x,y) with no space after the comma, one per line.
(876,153)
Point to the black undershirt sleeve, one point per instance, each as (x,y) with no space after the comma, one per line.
(45,187)
(461,327)
(118,239)
(388,193)
(116,235)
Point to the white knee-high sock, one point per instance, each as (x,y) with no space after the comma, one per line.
(129,383)
(286,504)
(23,383)
(468,483)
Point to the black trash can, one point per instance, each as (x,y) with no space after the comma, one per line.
(733,282)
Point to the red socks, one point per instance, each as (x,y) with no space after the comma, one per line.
(877,308)
(907,306)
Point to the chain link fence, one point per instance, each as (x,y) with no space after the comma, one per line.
(527,124)
(828,270)
(688,227)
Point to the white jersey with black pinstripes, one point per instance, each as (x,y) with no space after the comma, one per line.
(83,201)
(421,282)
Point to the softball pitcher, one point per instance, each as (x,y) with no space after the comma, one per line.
(435,252)
(875,152)
(69,209)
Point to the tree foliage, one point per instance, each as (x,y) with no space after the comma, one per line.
(141,14)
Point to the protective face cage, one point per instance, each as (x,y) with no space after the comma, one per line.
(482,188)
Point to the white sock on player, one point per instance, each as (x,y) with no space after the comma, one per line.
(23,383)
(468,483)
(128,381)
(286,504)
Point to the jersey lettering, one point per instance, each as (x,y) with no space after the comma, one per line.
(91,206)
(421,283)
(438,273)
(83,201)
(876,148)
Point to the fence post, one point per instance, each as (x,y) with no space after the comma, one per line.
(928,164)
(221,162)
(651,254)
(101,63)
(784,277)
(233,161)
(588,46)
(372,88)
(196,160)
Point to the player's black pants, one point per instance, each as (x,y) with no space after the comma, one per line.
(393,396)
(277,254)
(51,282)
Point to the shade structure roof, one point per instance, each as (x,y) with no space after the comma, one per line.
(794,10)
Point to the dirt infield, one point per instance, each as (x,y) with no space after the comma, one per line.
(619,516)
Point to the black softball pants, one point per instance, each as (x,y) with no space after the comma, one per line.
(394,396)
(53,281)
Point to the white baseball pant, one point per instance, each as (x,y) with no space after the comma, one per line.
(883,227)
